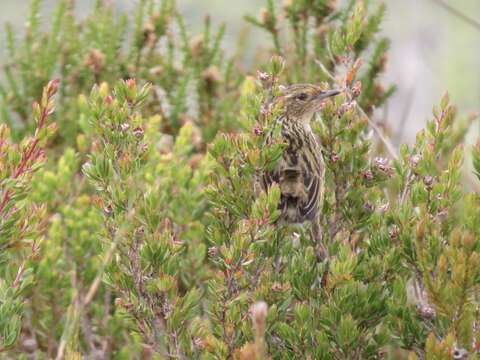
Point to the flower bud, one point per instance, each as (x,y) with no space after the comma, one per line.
(199,343)
(356,89)
(95,60)
(138,132)
(468,240)
(426,312)
(442,264)
(383,165)
(52,87)
(264,17)
(212,251)
(368,175)
(442,215)
(420,231)
(82,143)
(156,70)
(108,100)
(211,77)
(259,312)
(149,35)
(428,181)
(393,232)
(165,144)
(382,63)
(30,345)
(195,161)
(287,5)
(263,76)
(108,210)
(104,90)
(334,157)
(384,208)
(379,90)
(196,46)
(277,287)
(257,130)
(139,232)
(131,83)
(415,159)
(369,207)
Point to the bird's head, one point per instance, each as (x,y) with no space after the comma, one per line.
(301,101)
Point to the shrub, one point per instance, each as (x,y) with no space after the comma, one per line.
(145,236)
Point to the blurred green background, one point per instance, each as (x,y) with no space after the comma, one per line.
(432,50)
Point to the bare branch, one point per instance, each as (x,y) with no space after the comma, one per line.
(460,15)
(388,144)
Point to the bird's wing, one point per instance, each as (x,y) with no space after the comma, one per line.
(312,185)
(301,190)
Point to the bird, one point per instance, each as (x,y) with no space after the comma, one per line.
(300,170)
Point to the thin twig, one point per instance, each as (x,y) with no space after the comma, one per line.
(96,283)
(325,70)
(388,144)
(458,14)
(403,120)
(408,182)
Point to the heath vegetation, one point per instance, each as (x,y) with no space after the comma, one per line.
(131,226)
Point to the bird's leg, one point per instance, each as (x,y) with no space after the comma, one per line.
(321,251)
(257,186)
(281,234)
(317,237)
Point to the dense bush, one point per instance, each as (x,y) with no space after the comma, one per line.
(144,234)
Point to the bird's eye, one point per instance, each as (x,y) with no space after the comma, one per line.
(302,97)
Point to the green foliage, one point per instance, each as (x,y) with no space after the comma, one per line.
(146,234)
(136,225)
(22,219)
(192,77)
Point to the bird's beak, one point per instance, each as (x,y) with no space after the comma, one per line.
(328,93)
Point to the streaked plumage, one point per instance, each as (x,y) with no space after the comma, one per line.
(300,171)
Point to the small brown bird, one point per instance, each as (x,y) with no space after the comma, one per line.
(300,170)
